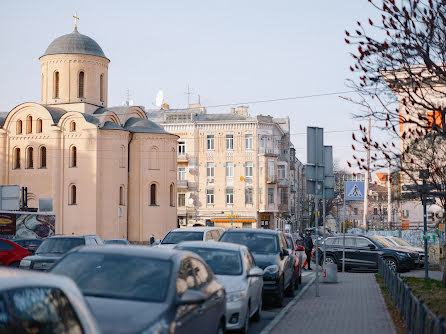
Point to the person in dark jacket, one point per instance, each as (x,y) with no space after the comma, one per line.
(152,240)
(308,244)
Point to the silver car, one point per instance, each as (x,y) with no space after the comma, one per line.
(42,303)
(236,270)
(398,242)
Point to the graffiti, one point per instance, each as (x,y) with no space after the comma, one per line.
(434,254)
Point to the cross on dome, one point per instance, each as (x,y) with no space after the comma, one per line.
(76,18)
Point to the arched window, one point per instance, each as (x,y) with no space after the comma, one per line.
(81,84)
(172,195)
(121,195)
(73,194)
(73,156)
(42,157)
(19,127)
(122,160)
(16,158)
(29,157)
(29,124)
(73,126)
(153,194)
(56,85)
(101,88)
(39,125)
(154,158)
(174,160)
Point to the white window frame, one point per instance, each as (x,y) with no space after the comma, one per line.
(210,170)
(229,194)
(210,142)
(271,168)
(229,142)
(181,173)
(270,191)
(248,141)
(251,191)
(281,172)
(229,169)
(210,196)
(178,200)
(181,147)
(248,169)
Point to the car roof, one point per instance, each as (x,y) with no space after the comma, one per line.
(115,239)
(197,229)
(251,230)
(213,245)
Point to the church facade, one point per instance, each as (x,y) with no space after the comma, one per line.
(109,170)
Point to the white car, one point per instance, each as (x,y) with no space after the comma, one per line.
(178,235)
(42,302)
(236,270)
(398,242)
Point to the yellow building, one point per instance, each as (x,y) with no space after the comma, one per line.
(109,170)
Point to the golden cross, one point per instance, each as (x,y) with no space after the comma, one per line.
(75,20)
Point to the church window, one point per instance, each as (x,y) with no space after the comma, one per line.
(73,156)
(17,158)
(29,124)
(43,157)
(56,85)
(122,161)
(154,158)
(29,157)
(19,127)
(73,195)
(172,195)
(101,88)
(121,195)
(39,125)
(73,126)
(81,84)
(153,194)
(174,160)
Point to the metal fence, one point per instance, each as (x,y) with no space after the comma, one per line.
(417,316)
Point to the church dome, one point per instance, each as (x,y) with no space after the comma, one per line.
(74,43)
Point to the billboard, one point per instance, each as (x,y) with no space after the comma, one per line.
(26,225)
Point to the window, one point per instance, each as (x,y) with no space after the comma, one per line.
(210,196)
(73,200)
(73,156)
(349,242)
(248,169)
(181,148)
(362,243)
(270,196)
(39,125)
(281,172)
(229,169)
(355,211)
(154,158)
(42,157)
(229,142)
(181,173)
(210,172)
(229,196)
(248,142)
(121,195)
(271,169)
(248,196)
(210,142)
(73,126)
(56,85)
(172,195)
(17,158)
(29,124)
(181,200)
(101,88)
(81,84)
(385,211)
(264,142)
(375,211)
(153,194)
(29,157)
(19,127)
(123,153)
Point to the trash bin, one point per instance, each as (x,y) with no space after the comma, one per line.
(329,273)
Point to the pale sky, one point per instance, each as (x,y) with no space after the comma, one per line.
(227,51)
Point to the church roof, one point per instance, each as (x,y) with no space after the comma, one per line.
(142,125)
(74,43)
(56,113)
(109,125)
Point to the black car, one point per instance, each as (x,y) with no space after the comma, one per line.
(30,244)
(363,252)
(53,248)
(147,290)
(271,253)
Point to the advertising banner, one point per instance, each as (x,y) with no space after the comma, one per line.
(27,225)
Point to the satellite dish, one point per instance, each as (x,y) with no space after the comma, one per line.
(159,98)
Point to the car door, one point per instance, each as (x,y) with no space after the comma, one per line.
(287,259)
(6,252)
(255,283)
(365,256)
(337,247)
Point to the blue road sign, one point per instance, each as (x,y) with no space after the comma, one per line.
(354,191)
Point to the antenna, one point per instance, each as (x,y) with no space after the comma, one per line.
(188,93)
(128,98)
(159,99)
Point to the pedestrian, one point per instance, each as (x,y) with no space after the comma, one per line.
(308,244)
(152,239)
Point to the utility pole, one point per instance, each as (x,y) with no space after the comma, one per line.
(343,238)
(389,195)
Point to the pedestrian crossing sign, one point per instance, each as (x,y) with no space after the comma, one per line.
(354,191)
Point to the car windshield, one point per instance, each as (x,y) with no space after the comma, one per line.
(59,245)
(117,276)
(115,242)
(401,242)
(175,237)
(382,242)
(221,261)
(256,242)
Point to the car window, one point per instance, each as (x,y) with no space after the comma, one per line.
(349,242)
(59,245)
(175,237)
(362,243)
(220,232)
(5,317)
(44,310)
(89,241)
(185,279)
(332,241)
(4,246)
(98,241)
(248,260)
(201,272)
(251,259)
(208,236)
(289,241)
(257,242)
(215,235)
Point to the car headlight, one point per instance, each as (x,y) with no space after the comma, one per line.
(403,254)
(25,263)
(235,296)
(158,328)
(271,270)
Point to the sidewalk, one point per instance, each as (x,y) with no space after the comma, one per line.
(354,305)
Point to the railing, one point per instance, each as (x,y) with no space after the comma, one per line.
(182,183)
(181,157)
(417,316)
(269,151)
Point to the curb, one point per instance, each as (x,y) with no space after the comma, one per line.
(285,310)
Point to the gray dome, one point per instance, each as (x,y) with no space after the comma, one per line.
(74,43)
(142,125)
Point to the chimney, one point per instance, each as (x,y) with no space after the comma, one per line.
(232,110)
(242,110)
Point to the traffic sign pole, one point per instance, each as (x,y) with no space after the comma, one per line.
(343,239)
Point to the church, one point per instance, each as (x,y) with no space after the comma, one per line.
(109,170)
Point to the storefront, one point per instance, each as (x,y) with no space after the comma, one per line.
(239,222)
(266,220)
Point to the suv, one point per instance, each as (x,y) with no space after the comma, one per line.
(191,234)
(272,254)
(363,252)
(53,248)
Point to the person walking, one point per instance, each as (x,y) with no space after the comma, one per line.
(308,244)
(152,240)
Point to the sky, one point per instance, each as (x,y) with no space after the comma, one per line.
(228,52)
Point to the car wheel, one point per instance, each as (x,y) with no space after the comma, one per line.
(245,328)
(221,328)
(392,264)
(14,264)
(290,289)
(279,297)
(330,260)
(256,316)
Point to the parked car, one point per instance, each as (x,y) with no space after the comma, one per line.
(53,248)
(147,290)
(30,244)
(271,253)
(191,234)
(116,242)
(296,252)
(11,254)
(398,242)
(32,302)
(235,268)
(363,252)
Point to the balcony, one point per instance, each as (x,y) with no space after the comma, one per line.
(283,183)
(269,151)
(182,157)
(283,207)
(210,155)
(182,184)
(229,155)
(271,179)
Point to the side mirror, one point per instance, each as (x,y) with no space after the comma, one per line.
(192,297)
(255,272)
(372,246)
(300,248)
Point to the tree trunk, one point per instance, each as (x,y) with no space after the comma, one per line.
(443,281)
